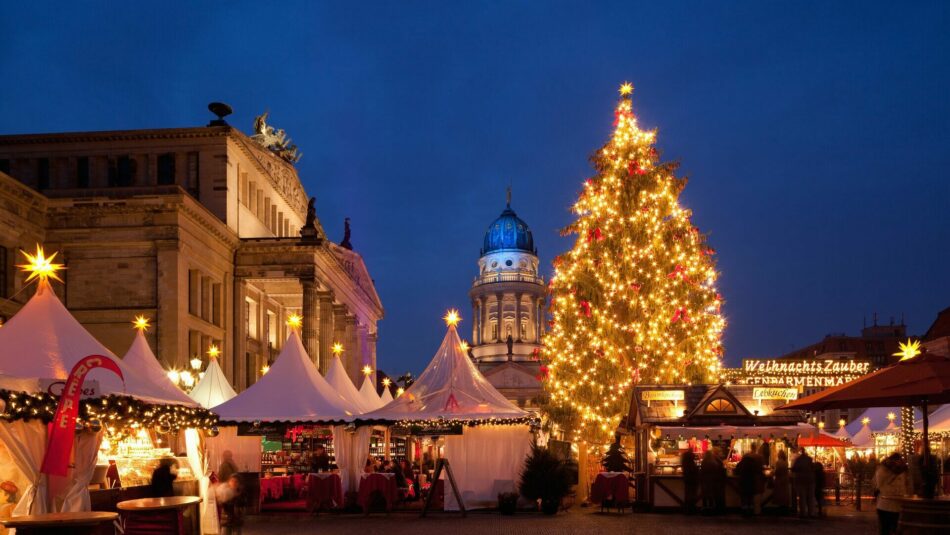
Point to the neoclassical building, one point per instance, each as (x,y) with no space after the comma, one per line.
(507,310)
(205,230)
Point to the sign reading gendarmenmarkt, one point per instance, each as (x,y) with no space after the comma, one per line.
(803,373)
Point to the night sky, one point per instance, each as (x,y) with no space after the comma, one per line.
(816,136)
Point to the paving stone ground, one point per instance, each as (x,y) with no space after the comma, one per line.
(840,521)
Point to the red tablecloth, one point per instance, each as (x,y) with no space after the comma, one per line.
(272,488)
(610,485)
(324,489)
(377,482)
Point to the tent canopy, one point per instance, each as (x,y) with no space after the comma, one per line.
(878,419)
(863,438)
(292,391)
(213,389)
(44,341)
(939,420)
(140,357)
(822,440)
(450,388)
(370,397)
(340,382)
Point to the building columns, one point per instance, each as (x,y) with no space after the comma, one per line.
(371,339)
(500,314)
(236,370)
(309,332)
(339,330)
(351,352)
(325,330)
(517,333)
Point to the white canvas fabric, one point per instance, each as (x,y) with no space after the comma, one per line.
(842,433)
(44,341)
(85,455)
(198,460)
(863,438)
(451,387)
(141,358)
(340,381)
(351,449)
(245,451)
(937,422)
(26,442)
(878,416)
(370,397)
(386,397)
(292,391)
(486,460)
(213,388)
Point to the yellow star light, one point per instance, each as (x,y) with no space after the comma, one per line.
(865,420)
(264,369)
(141,323)
(452,317)
(367,370)
(464,346)
(386,382)
(891,416)
(400,391)
(294,321)
(337,349)
(909,350)
(626,89)
(213,351)
(40,267)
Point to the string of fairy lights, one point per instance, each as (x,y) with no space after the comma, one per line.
(635,300)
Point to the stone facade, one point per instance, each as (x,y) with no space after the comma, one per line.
(197,228)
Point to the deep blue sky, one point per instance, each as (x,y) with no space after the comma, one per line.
(816,136)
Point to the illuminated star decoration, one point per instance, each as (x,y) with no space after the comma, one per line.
(294,321)
(213,351)
(626,89)
(264,369)
(865,420)
(337,349)
(40,267)
(367,370)
(452,317)
(909,350)
(141,323)
(464,346)
(387,382)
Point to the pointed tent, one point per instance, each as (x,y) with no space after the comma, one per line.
(863,438)
(44,341)
(292,391)
(368,391)
(213,389)
(878,419)
(939,420)
(340,382)
(386,397)
(140,357)
(450,388)
(842,433)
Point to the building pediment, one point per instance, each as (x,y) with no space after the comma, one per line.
(512,375)
(354,267)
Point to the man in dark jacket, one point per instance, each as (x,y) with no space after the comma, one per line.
(803,481)
(690,480)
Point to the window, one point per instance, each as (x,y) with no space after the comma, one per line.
(720,405)
(122,171)
(42,173)
(194,292)
(216,304)
(166,169)
(251,312)
(82,172)
(494,330)
(194,343)
(272,329)
(5,166)
(524,330)
(206,298)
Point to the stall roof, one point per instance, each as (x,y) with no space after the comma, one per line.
(140,357)
(705,406)
(291,391)
(450,388)
(340,381)
(44,341)
(938,421)
(213,389)
(368,391)
(878,419)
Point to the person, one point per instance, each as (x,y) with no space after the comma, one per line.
(803,473)
(229,497)
(712,479)
(890,483)
(163,478)
(320,461)
(370,466)
(819,486)
(749,471)
(781,492)
(690,480)
(393,468)
(228,467)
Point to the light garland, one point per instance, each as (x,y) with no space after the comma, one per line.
(635,300)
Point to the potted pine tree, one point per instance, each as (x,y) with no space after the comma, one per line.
(545,478)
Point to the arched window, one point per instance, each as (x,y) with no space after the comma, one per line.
(720,405)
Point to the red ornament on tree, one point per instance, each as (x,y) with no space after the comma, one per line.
(594,235)
(585,308)
(681,315)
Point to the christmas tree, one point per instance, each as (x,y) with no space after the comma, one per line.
(635,300)
(616,460)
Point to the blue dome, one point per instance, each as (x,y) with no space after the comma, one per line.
(508,233)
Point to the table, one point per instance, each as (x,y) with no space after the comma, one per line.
(383,483)
(80,523)
(611,486)
(158,515)
(322,489)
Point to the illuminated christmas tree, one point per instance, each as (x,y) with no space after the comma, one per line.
(635,300)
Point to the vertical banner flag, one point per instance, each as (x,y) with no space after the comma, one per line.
(63,428)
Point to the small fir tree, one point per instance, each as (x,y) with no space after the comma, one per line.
(616,460)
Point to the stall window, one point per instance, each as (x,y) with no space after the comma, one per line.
(720,405)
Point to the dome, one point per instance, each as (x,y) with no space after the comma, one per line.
(508,233)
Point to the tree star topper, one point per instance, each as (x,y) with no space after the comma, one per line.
(40,267)
(452,317)
(626,89)
(141,323)
(908,350)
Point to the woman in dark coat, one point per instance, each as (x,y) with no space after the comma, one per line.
(690,480)
(162,479)
(782,494)
(712,481)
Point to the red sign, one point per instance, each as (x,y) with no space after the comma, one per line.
(63,428)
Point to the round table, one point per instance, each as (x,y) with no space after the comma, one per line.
(159,513)
(59,523)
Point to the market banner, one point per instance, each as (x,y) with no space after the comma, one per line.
(63,428)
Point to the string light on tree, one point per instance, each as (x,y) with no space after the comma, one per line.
(635,299)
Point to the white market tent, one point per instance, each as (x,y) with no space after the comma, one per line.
(140,357)
(40,344)
(340,382)
(386,396)
(842,433)
(863,438)
(486,459)
(370,397)
(291,391)
(213,388)
(878,419)
(938,421)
